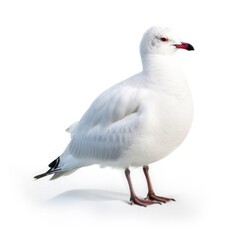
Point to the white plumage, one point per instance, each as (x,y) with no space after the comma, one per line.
(139,120)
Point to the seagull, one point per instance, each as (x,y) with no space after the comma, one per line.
(136,122)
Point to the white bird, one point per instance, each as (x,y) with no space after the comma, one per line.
(137,121)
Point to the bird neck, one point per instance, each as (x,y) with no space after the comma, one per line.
(165,72)
(154,63)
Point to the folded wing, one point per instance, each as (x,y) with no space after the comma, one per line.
(108,127)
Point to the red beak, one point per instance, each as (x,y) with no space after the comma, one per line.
(185,46)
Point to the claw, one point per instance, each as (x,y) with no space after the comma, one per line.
(153,196)
(142,202)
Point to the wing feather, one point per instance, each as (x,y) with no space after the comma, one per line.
(105,131)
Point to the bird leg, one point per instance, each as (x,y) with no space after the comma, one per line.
(151,195)
(133,198)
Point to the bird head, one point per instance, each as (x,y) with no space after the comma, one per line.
(161,41)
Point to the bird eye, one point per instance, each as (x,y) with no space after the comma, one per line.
(163,39)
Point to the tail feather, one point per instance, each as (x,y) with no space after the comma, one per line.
(53,169)
(64,173)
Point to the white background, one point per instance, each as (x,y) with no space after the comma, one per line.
(56,57)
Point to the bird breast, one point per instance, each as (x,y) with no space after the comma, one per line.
(166,120)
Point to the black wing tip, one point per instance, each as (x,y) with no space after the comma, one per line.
(53,165)
(41,175)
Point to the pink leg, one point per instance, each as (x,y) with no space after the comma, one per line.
(151,195)
(134,199)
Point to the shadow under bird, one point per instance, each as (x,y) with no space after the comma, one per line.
(137,121)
